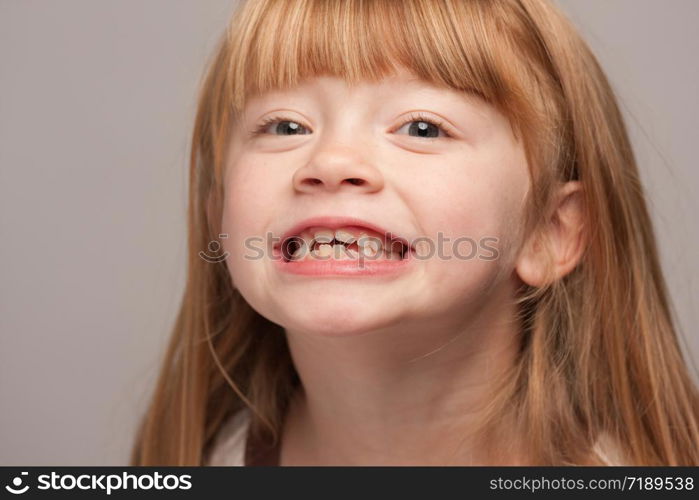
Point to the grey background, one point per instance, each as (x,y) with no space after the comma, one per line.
(97,101)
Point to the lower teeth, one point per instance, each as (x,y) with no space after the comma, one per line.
(340,252)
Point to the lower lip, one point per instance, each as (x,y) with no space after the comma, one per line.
(332,267)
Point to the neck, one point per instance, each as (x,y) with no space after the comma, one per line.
(412,394)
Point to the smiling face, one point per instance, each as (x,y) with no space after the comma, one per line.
(408,157)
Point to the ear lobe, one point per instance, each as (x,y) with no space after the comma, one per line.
(564,236)
(534,262)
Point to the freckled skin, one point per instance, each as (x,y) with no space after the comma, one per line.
(470,185)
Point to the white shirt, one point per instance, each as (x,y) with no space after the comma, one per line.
(229,445)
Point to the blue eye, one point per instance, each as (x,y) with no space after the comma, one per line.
(282,127)
(422,126)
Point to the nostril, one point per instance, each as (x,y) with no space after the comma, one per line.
(356,182)
(312,181)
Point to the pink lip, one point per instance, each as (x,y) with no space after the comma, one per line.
(332,267)
(335,223)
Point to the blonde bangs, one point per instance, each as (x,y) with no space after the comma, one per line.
(277,45)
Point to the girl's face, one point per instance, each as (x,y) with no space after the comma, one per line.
(401,155)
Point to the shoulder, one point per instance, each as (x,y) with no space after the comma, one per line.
(228,448)
(609,451)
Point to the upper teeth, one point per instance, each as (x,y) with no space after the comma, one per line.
(323,236)
(369,244)
(344,236)
(320,242)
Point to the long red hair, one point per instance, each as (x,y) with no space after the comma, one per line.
(599,352)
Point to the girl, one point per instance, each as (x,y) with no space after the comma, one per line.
(436,250)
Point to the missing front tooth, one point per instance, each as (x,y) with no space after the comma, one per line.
(289,247)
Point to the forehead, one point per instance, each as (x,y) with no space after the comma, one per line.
(402,84)
(321,84)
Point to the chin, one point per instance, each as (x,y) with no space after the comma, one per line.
(335,318)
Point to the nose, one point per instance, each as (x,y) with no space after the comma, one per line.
(337,167)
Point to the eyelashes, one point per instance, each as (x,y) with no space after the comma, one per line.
(261,129)
(417,117)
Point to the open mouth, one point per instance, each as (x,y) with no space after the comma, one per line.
(343,243)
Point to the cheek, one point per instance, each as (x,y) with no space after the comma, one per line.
(245,215)
(478,204)
(474,200)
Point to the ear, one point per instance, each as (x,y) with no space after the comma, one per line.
(565,235)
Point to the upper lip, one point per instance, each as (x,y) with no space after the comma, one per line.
(337,222)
